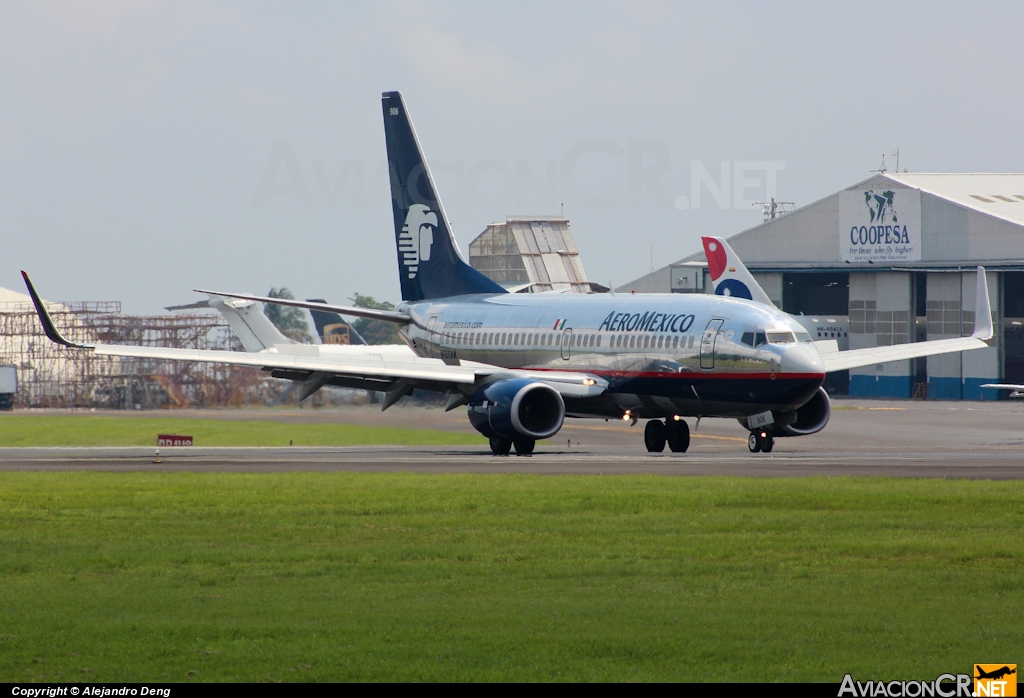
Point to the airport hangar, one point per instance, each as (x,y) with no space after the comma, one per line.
(892,260)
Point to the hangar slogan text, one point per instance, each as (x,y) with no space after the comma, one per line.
(880,224)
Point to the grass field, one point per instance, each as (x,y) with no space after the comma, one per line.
(87,430)
(347,576)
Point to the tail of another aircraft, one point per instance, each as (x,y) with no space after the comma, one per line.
(249,323)
(728,274)
(332,328)
(429,262)
(246,319)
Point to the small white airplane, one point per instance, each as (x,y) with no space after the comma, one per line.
(1018,390)
(246,319)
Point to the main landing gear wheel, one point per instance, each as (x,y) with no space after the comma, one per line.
(678,435)
(760,441)
(654,436)
(524,447)
(501,447)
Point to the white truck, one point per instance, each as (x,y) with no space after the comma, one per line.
(8,386)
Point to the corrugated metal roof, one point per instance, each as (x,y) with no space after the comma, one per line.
(802,239)
(7,296)
(996,194)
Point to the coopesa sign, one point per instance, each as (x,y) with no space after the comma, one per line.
(880,224)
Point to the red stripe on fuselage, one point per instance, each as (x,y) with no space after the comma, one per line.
(667,374)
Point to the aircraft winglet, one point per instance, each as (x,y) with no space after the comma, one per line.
(729,275)
(983,309)
(44,317)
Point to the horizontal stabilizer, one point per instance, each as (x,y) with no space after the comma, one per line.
(384,315)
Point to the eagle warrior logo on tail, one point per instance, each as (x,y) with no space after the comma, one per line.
(416,237)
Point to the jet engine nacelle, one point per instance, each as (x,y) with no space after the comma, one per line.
(517,408)
(809,419)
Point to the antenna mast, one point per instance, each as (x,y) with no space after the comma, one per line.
(774,209)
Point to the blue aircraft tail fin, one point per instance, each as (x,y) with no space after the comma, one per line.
(429,262)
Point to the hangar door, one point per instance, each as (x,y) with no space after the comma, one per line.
(1013,326)
(824,294)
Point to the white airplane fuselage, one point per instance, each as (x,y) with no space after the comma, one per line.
(661,354)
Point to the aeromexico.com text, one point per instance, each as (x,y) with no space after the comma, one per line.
(648,322)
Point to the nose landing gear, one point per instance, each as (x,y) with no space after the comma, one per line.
(760,441)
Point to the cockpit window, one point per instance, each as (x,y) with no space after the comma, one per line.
(781,338)
(803,337)
(753,339)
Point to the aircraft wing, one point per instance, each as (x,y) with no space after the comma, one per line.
(369,366)
(393,372)
(855,358)
(983,330)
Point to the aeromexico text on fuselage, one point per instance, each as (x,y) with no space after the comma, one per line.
(649,321)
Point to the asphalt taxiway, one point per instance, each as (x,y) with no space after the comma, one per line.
(897,438)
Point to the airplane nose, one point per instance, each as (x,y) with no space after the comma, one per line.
(802,359)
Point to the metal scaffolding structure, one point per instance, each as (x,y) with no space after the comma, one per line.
(50,375)
(531,255)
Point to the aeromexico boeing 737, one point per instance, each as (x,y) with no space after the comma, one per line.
(522,363)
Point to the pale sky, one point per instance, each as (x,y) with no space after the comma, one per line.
(134,136)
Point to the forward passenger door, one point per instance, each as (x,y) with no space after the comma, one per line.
(707,343)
